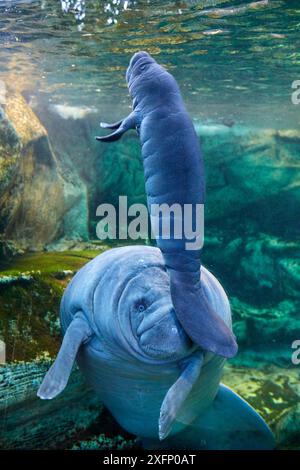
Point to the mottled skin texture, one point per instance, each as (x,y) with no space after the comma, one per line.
(134,357)
(138,358)
(174,174)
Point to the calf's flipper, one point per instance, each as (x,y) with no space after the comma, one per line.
(130,122)
(114,125)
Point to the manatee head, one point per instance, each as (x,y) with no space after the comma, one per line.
(149,81)
(132,307)
(145,306)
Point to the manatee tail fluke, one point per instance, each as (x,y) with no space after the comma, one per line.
(178,393)
(58,375)
(199,320)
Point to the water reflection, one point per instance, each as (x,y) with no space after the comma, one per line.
(77,7)
(234,60)
(112,9)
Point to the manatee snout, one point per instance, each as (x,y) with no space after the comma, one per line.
(134,59)
(161,336)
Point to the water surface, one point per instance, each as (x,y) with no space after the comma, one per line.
(235,61)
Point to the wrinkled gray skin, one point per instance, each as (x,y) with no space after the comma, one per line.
(118,319)
(174,174)
(135,357)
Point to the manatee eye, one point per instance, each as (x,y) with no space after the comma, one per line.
(142,67)
(140,306)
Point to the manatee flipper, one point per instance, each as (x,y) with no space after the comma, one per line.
(114,125)
(179,391)
(229,423)
(77,333)
(130,122)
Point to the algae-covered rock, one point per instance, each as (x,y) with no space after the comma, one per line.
(36,197)
(246,168)
(102,442)
(30,423)
(9,249)
(9,152)
(274,392)
(253,175)
(76,420)
(260,267)
(267,331)
(31,288)
(33,205)
(121,172)
(288,428)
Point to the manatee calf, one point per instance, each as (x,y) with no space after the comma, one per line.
(119,321)
(174,174)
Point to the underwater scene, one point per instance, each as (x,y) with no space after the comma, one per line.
(148,372)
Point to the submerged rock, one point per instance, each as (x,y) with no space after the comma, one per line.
(21,278)
(253,175)
(274,392)
(247,166)
(9,152)
(266,332)
(9,249)
(103,442)
(259,267)
(288,428)
(76,419)
(37,201)
(30,423)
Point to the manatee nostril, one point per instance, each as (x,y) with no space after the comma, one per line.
(137,56)
(152,319)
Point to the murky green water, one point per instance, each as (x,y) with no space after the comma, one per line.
(234,60)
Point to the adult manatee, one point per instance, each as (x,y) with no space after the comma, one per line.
(118,319)
(174,174)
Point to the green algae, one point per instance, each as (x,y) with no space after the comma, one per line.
(29,319)
(31,288)
(48,263)
(274,392)
(103,442)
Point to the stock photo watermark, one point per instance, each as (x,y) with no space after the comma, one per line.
(177,222)
(2,92)
(296,353)
(2,352)
(296,93)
